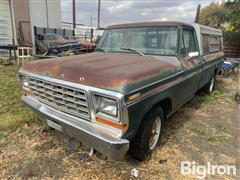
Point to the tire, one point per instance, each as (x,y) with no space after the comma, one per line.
(209,87)
(146,140)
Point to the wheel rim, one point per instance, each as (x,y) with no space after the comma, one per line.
(155,133)
(211,85)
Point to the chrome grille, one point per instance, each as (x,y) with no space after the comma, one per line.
(66,99)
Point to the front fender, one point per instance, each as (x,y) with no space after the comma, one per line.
(139,109)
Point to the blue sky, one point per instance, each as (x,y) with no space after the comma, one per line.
(123,11)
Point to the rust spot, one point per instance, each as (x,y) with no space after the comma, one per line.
(109,71)
(188,64)
(213,56)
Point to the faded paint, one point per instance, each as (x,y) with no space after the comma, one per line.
(119,72)
(155,90)
(213,56)
(191,63)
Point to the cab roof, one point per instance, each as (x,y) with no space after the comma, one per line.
(148,24)
(201,28)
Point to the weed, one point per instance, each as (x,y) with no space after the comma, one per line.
(210,138)
(197,130)
(209,98)
(219,127)
(202,98)
(216,138)
(12,112)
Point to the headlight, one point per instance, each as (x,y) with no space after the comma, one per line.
(105,105)
(24,82)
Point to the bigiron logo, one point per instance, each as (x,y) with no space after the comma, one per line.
(201,171)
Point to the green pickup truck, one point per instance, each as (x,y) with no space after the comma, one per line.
(117,98)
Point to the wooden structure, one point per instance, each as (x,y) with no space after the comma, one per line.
(232,49)
(231,44)
(10,48)
(24,55)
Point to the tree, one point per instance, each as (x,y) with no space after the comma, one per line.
(232,10)
(225,15)
(213,15)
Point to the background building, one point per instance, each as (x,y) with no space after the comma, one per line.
(30,13)
(18,18)
(7,25)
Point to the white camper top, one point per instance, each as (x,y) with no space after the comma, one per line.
(201,29)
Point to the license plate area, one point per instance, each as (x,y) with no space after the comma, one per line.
(54,125)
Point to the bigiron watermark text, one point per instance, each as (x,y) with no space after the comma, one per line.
(201,171)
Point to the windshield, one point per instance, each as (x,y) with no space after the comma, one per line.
(147,40)
(53,37)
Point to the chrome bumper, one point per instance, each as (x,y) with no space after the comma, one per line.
(87,132)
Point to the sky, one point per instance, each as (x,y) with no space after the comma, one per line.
(124,11)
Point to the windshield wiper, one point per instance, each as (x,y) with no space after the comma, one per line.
(133,50)
(100,49)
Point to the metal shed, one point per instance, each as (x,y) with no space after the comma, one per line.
(7,27)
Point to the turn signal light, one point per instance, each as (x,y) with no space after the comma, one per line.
(110,123)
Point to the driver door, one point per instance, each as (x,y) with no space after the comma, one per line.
(191,63)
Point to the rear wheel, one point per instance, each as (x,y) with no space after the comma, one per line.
(148,136)
(209,87)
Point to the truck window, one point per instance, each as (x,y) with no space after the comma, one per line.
(148,40)
(211,43)
(188,42)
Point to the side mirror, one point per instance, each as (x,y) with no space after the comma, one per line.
(192,54)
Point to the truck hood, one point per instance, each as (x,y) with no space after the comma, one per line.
(118,72)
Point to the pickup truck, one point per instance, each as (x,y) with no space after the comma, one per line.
(117,98)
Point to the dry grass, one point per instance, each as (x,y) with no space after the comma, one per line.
(30,150)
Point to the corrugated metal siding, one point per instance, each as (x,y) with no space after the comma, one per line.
(6,34)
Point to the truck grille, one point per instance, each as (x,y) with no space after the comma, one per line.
(66,99)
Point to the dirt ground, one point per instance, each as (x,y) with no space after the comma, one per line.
(205,129)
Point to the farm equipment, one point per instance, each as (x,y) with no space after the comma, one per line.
(230,65)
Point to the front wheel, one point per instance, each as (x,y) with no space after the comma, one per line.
(209,87)
(148,136)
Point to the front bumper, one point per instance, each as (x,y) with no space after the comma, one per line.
(87,132)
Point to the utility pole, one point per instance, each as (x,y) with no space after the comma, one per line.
(98,16)
(74,15)
(91,20)
(46,2)
(197,13)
